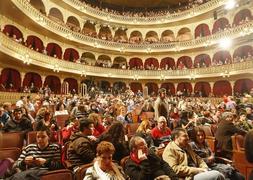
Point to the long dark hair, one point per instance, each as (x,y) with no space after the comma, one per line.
(115,133)
(195,132)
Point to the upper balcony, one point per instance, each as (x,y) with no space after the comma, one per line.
(34,14)
(28,56)
(156,20)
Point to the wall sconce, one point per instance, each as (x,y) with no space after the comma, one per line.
(162,77)
(225,74)
(83,74)
(136,77)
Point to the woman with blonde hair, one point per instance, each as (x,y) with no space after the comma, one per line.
(143,131)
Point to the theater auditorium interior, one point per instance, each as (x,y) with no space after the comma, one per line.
(125,89)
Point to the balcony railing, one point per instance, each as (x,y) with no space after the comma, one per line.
(53,26)
(23,53)
(196,11)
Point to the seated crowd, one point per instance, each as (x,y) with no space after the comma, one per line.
(168,143)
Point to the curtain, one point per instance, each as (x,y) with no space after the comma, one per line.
(184,85)
(222,55)
(53,83)
(11,30)
(202,58)
(243,86)
(150,61)
(71,54)
(186,60)
(135,87)
(36,43)
(11,76)
(202,30)
(203,87)
(222,88)
(243,51)
(34,78)
(72,84)
(220,23)
(241,15)
(135,62)
(170,88)
(152,87)
(54,49)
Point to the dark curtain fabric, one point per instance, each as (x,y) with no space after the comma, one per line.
(241,15)
(150,61)
(135,62)
(222,88)
(53,83)
(152,87)
(105,85)
(186,60)
(243,51)
(222,56)
(170,88)
(243,86)
(119,85)
(202,59)
(202,30)
(71,54)
(35,42)
(184,86)
(135,87)
(72,84)
(11,76)
(11,30)
(169,61)
(203,87)
(34,78)
(54,49)
(221,23)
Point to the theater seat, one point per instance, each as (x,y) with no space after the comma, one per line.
(12,153)
(13,139)
(31,137)
(58,175)
(131,129)
(123,162)
(80,173)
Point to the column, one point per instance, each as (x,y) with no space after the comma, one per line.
(211,85)
(232,86)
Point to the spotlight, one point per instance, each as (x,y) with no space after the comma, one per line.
(230,4)
(225,43)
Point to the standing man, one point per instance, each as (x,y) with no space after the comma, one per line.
(161,105)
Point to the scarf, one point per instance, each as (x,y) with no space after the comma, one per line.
(135,158)
(107,176)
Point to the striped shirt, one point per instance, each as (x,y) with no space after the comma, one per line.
(51,153)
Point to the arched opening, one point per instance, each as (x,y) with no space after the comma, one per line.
(170,88)
(243,16)
(73,24)
(152,88)
(221,58)
(53,83)
(89,29)
(54,50)
(243,86)
(119,86)
(10,80)
(88,59)
(135,86)
(33,81)
(135,63)
(56,15)
(202,89)
(185,88)
(184,62)
(105,33)
(38,4)
(151,64)
(202,60)
(151,37)
(220,25)
(35,43)
(104,61)
(120,62)
(73,85)
(71,55)
(135,37)
(168,36)
(13,32)
(121,36)
(222,88)
(202,30)
(184,34)
(105,86)
(243,53)
(167,63)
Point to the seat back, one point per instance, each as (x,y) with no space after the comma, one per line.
(207,129)
(31,137)
(13,139)
(12,153)
(58,174)
(123,162)
(80,173)
(61,119)
(237,142)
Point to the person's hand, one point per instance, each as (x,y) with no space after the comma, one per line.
(40,161)
(29,160)
(92,138)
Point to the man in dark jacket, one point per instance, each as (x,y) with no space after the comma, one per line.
(18,123)
(225,130)
(81,149)
(146,165)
